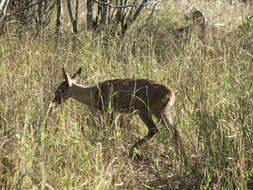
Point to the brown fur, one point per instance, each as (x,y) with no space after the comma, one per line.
(147,97)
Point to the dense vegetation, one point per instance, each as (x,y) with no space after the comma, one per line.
(67,148)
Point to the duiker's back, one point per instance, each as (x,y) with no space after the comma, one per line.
(139,94)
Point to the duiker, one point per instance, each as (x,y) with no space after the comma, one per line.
(146,97)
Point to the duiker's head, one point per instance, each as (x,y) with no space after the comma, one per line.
(195,15)
(63,91)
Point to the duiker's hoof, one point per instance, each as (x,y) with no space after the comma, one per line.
(135,154)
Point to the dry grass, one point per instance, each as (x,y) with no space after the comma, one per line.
(68,149)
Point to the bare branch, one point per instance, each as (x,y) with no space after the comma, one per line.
(144,3)
(148,18)
(32,5)
(138,11)
(131,18)
(3,7)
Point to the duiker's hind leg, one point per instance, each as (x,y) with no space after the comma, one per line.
(166,120)
(152,130)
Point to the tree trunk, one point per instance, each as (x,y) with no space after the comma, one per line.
(104,14)
(58,15)
(76,17)
(72,19)
(40,12)
(90,21)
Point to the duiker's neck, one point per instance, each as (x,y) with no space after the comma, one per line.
(84,94)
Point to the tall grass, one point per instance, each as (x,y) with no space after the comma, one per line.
(70,149)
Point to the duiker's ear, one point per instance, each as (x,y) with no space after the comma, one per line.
(66,77)
(76,76)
